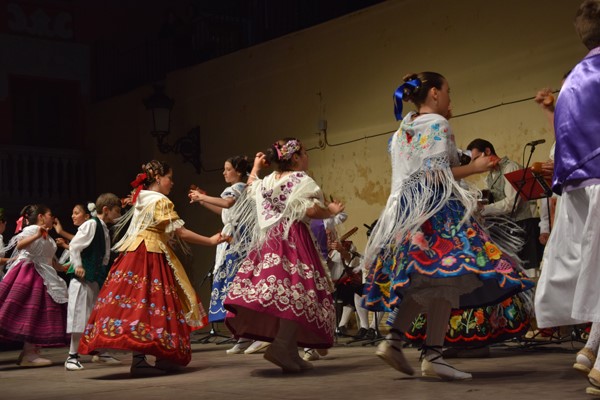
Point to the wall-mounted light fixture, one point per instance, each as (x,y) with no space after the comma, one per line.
(160,106)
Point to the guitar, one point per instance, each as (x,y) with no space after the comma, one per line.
(346,235)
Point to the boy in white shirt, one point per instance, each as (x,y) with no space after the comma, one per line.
(90,252)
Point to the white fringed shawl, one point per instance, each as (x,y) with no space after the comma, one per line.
(141,216)
(234,191)
(41,253)
(269,201)
(422,151)
(151,210)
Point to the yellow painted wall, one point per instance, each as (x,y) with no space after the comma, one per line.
(345,72)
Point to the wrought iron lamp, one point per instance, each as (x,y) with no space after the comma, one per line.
(188,146)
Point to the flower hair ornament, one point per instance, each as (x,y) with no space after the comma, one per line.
(138,184)
(92,209)
(403,90)
(286,151)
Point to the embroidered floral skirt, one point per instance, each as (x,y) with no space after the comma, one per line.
(283,279)
(442,249)
(222,281)
(479,326)
(27,311)
(139,309)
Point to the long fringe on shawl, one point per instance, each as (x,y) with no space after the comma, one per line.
(142,221)
(413,202)
(509,238)
(248,234)
(244,219)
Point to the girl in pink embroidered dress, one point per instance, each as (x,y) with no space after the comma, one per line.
(282,291)
(33,298)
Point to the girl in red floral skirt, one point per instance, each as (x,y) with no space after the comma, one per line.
(147,304)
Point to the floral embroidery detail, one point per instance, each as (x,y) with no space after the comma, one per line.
(420,241)
(497,321)
(274,281)
(483,325)
(142,332)
(479,317)
(273,203)
(454,321)
(448,261)
(453,249)
(504,267)
(492,251)
(417,142)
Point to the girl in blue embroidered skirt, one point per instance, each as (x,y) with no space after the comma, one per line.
(427,252)
(227,262)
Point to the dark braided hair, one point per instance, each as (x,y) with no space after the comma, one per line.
(154,168)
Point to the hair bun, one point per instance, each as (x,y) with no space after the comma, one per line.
(408,91)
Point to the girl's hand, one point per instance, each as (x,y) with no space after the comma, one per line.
(79,272)
(335,245)
(545,99)
(60,242)
(126,201)
(57,226)
(196,196)
(41,232)
(548,169)
(260,161)
(335,207)
(484,163)
(217,238)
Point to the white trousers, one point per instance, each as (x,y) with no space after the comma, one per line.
(568,289)
(82,296)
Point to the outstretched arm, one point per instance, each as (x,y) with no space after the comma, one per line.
(59,229)
(318,212)
(476,166)
(21,244)
(260,160)
(214,204)
(194,238)
(545,99)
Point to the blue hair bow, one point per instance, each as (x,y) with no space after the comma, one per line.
(399,93)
